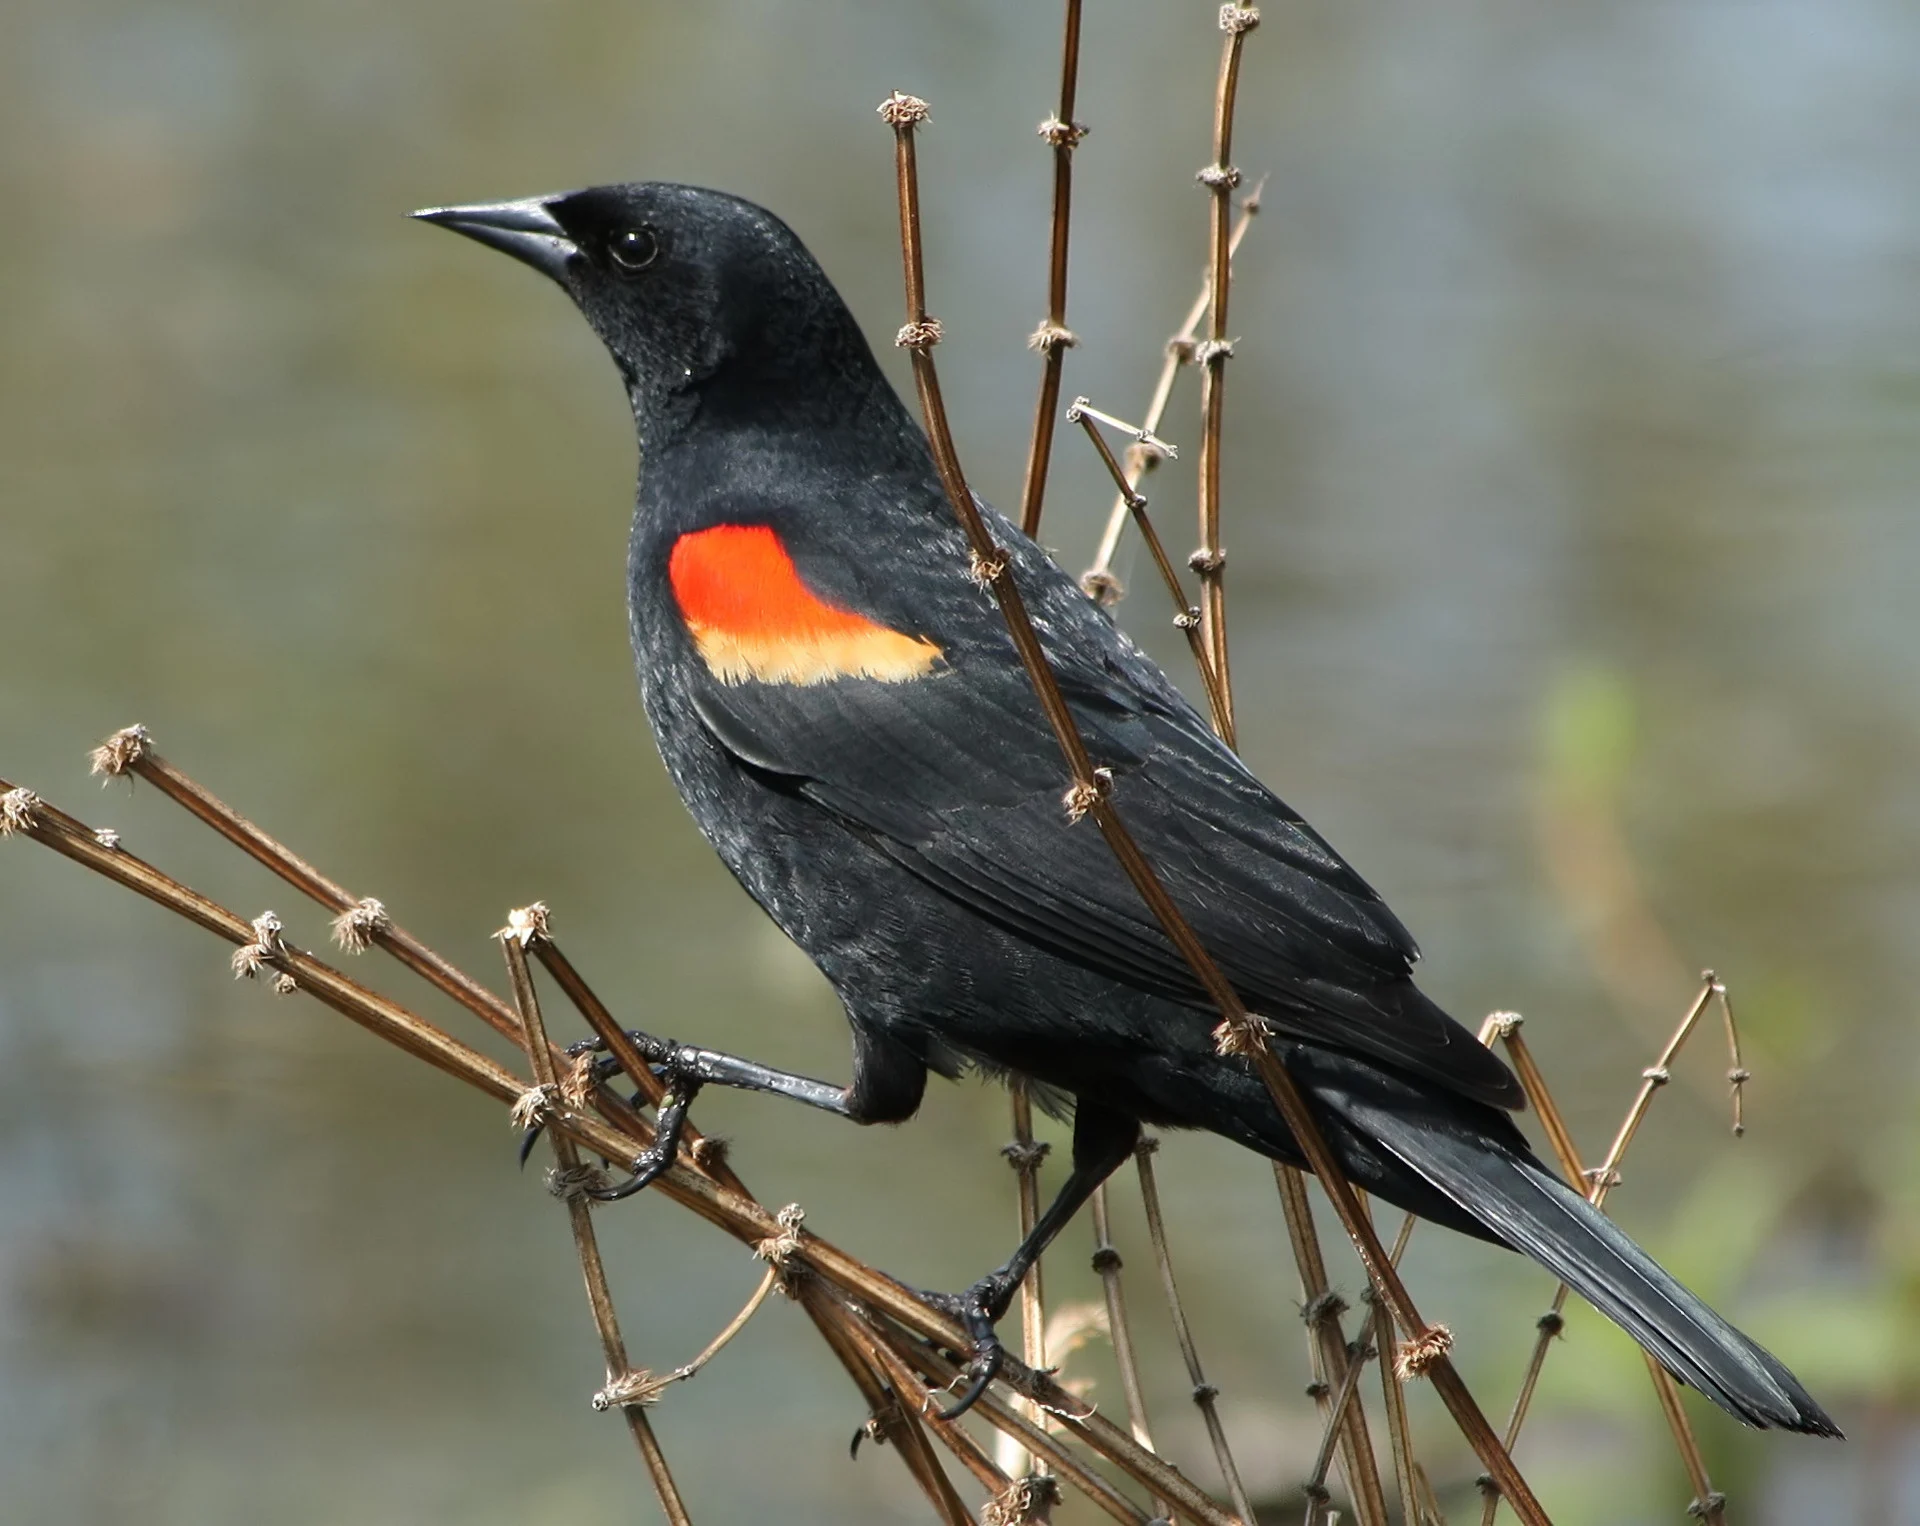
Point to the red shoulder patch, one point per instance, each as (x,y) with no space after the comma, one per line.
(752,618)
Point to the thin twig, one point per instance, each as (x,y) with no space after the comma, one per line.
(1220,177)
(1025,1156)
(24,813)
(1099,580)
(1239,1033)
(1053,338)
(1106,1261)
(1596,1184)
(890,1419)
(1186,614)
(566,1159)
(1334,1362)
(1205,1395)
(706,1153)
(360,920)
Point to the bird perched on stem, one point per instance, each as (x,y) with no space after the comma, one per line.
(847,719)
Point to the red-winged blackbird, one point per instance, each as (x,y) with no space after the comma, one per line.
(845,715)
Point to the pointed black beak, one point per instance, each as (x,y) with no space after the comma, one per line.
(524,229)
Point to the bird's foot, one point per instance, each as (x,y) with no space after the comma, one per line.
(977,1310)
(674,1064)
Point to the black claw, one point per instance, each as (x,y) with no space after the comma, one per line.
(667,1126)
(527,1141)
(985,1367)
(978,1310)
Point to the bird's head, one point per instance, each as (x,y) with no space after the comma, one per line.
(696,293)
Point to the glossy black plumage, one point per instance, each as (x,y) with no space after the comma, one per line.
(911,835)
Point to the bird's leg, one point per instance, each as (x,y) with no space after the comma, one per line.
(1102,1140)
(711,1067)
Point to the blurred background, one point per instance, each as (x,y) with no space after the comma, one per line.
(1571,449)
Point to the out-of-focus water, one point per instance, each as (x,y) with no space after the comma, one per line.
(1574,424)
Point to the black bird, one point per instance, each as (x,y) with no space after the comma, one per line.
(846,718)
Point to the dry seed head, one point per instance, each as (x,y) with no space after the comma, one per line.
(1063,134)
(1246,1037)
(1022,1502)
(987,570)
(1103,588)
(1207,351)
(779,1249)
(526,925)
(1501,1025)
(284,984)
(356,927)
(250,958)
(532,1107)
(631,1388)
(1206,562)
(576,1086)
(1026,1156)
(17,810)
(576,1182)
(106,837)
(1051,336)
(1218,177)
(120,751)
(1415,1356)
(903,110)
(919,336)
(709,1153)
(1239,18)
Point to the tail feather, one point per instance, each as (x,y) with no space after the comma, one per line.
(1529,1208)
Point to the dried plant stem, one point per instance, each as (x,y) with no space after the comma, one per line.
(1400,1440)
(1205,1395)
(1220,177)
(1099,580)
(945,1374)
(566,1157)
(1025,1155)
(1239,1032)
(1186,614)
(1053,339)
(1333,1363)
(633,1064)
(130,751)
(1106,1261)
(889,1417)
(22,812)
(1709,1503)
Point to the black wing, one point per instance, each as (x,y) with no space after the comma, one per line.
(957,776)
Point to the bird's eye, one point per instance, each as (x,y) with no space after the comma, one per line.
(634,249)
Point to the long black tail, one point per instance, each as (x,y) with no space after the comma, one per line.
(1523,1204)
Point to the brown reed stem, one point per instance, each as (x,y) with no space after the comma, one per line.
(1596,1184)
(890,1420)
(1107,1262)
(1205,1395)
(1399,1440)
(1025,1156)
(1186,614)
(1327,1347)
(1053,338)
(24,813)
(130,751)
(593,1271)
(913,1417)
(1338,1407)
(705,1153)
(946,1375)
(1239,1032)
(1098,580)
(1220,177)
